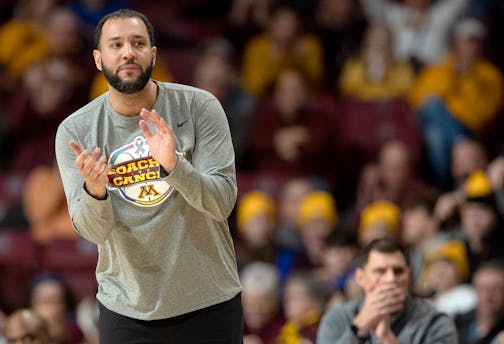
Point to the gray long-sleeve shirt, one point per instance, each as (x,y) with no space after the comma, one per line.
(418,323)
(164,243)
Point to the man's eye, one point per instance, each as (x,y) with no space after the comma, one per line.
(139,44)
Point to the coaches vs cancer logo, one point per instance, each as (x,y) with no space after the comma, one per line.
(135,174)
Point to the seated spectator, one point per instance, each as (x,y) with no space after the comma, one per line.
(468,156)
(45,205)
(261,303)
(23,37)
(34,113)
(256,223)
(378,220)
(340,26)
(420,27)
(495,173)
(283,46)
(480,221)
(317,218)
(483,323)
(457,98)
(444,279)
(419,232)
(387,314)
(253,14)
(375,74)
(392,178)
(53,299)
(27,327)
(339,260)
(215,73)
(292,193)
(305,298)
(290,135)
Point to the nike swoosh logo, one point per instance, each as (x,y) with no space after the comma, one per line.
(179,124)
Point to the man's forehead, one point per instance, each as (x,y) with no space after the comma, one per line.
(377,258)
(117,27)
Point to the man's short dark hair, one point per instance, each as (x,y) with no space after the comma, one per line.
(492,264)
(123,13)
(382,245)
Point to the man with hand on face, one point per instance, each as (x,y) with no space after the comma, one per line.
(148,171)
(387,314)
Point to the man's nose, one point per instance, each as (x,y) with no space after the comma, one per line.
(128,52)
(389,276)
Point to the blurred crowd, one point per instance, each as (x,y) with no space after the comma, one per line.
(351,120)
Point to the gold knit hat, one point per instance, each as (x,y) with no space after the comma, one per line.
(252,204)
(453,251)
(317,205)
(380,212)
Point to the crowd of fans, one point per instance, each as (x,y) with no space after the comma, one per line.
(351,120)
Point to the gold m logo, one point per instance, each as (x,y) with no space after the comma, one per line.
(147,190)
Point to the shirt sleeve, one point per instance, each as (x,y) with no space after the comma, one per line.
(208,182)
(335,328)
(92,218)
(442,330)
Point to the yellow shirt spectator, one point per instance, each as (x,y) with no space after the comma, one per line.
(22,44)
(355,82)
(473,98)
(261,66)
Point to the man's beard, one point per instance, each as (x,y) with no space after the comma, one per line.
(128,87)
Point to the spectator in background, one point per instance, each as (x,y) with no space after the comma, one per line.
(380,219)
(261,304)
(387,314)
(256,223)
(444,279)
(316,217)
(52,298)
(27,327)
(419,232)
(457,98)
(305,298)
(340,27)
(283,46)
(215,73)
(35,112)
(480,221)
(376,74)
(23,38)
(467,156)
(482,324)
(45,205)
(292,193)
(392,178)
(248,18)
(290,135)
(339,260)
(420,28)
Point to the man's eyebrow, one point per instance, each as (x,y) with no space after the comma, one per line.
(136,36)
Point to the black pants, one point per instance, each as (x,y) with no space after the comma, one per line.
(219,324)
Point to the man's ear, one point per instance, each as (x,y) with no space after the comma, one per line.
(154,55)
(97,59)
(360,278)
